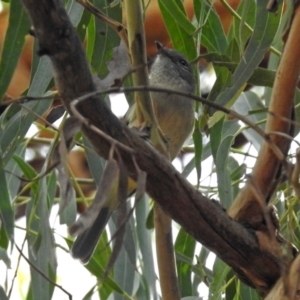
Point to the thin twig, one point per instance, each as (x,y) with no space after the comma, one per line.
(86,122)
(288,137)
(43,274)
(237,16)
(119,28)
(210,103)
(16,271)
(22,100)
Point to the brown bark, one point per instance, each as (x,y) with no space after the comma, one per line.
(199,216)
(246,207)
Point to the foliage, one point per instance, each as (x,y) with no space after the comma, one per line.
(235,56)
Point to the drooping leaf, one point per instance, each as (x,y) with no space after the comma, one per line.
(6,209)
(245,104)
(106,186)
(181,39)
(176,9)
(67,194)
(105,38)
(124,260)
(145,246)
(265,27)
(185,246)
(221,139)
(213,37)
(197,138)
(260,76)
(41,247)
(15,122)
(220,272)
(14,40)
(3,295)
(4,257)
(75,11)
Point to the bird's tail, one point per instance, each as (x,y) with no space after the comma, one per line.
(87,241)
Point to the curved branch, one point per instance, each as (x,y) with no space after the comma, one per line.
(199,216)
(246,206)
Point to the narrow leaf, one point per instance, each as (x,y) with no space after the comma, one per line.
(6,209)
(3,295)
(181,39)
(14,40)
(107,185)
(265,27)
(185,245)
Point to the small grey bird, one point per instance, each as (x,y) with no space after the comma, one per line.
(175,116)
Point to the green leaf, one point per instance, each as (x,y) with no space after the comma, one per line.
(224,181)
(181,39)
(185,245)
(14,124)
(238,31)
(6,209)
(95,162)
(14,40)
(91,36)
(145,245)
(75,11)
(236,173)
(213,37)
(4,257)
(222,135)
(105,38)
(175,9)
(3,295)
(197,137)
(27,169)
(233,52)
(126,259)
(260,76)
(41,76)
(247,292)
(97,266)
(216,137)
(220,271)
(264,30)
(41,247)
(14,172)
(249,102)
(4,241)
(224,79)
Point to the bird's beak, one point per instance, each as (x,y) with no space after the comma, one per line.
(159,46)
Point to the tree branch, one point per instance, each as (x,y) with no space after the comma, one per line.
(246,206)
(202,218)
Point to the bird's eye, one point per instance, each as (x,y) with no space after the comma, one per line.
(183,62)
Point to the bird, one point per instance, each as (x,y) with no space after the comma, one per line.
(175,118)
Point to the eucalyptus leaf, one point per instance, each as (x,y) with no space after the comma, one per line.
(263,33)
(185,245)
(247,102)
(145,245)
(213,36)
(41,247)
(3,295)
(181,39)
(6,209)
(105,38)
(14,40)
